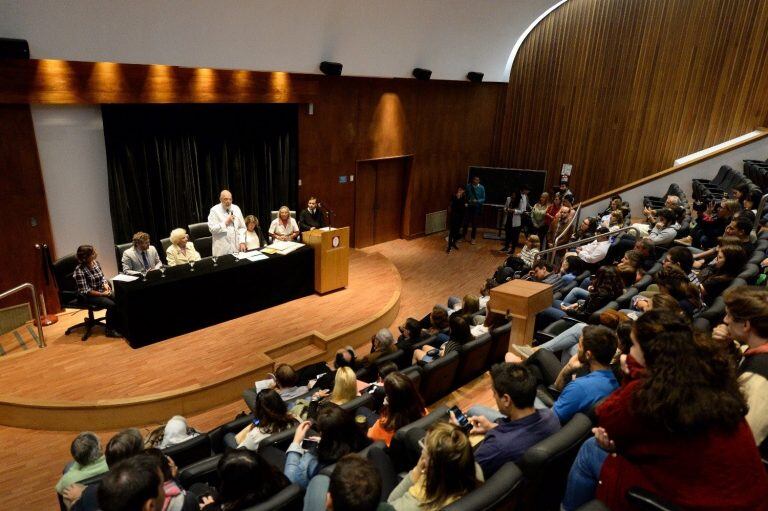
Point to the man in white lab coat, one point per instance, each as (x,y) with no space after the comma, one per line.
(225,221)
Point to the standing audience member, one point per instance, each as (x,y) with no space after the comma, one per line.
(746,321)
(141,257)
(456,212)
(517,425)
(444,473)
(181,251)
(93,288)
(88,461)
(675,428)
(512,222)
(539,220)
(475,199)
(403,405)
(226,223)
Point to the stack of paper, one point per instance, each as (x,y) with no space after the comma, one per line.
(285,247)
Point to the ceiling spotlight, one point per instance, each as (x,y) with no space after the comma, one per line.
(421,74)
(330,68)
(474,76)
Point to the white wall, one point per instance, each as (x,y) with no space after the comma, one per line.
(370,37)
(705,169)
(70,140)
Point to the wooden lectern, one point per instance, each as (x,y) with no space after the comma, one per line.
(331,247)
(523,299)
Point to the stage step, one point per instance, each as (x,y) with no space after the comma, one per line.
(302,356)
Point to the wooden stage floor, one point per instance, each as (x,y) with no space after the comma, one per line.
(388,283)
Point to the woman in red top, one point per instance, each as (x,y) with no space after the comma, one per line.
(676,428)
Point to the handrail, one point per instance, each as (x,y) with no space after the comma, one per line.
(551,251)
(759,214)
(31,287)
(570,223)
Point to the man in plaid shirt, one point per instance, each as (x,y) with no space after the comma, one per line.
(92,287)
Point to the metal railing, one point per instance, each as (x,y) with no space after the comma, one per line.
(29,286)
(759,214)
(550,252)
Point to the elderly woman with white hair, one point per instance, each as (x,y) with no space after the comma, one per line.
(383,343)
(176,431)
(181,251)
(284,227)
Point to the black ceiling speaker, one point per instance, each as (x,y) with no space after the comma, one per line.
(421,74)
(14,48)
(330,68)
(474,76)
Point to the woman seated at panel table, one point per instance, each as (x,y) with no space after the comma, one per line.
(284,227)
(253,237)
(181,251)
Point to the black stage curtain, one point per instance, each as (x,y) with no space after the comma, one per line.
(168,163)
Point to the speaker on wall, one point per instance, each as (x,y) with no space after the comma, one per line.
(421,74)
(330,68)
(13,48)
(474,76)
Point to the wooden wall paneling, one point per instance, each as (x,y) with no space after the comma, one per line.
(22,196)
(391,183)
(365,204)
(621,89)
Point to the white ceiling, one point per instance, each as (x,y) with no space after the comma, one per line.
(384,38)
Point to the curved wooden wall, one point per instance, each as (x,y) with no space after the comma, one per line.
(621,88)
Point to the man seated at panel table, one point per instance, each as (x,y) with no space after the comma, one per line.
(141,257)
(311,218)
(284,227)
(226,223)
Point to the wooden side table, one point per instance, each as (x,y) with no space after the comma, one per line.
(523,299)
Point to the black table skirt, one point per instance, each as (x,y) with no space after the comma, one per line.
(185,301)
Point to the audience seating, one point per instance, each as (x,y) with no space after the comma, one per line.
(203,471)
(499,344)
(498,492)
(645,500)
(473,359)
(370,373)
(235,426)
(164,244)
(63,270)
(594,505)
(290,498)
(438,375)
(194,449)
(200,236)
(366,400)
(377,454)
(546,465)
(414,373)
(403,456)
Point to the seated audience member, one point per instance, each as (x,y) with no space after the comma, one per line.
(595,251)
(134,484)
(467,307)
(344,388)
(459,335)
(383,343)
(663,232)
(613,206)
(270,415)
(632,258)
(542,272)
(339,436)
(410,333)
(445,472)
(311,218)
(597,346)
(606,287)
(673,281)
(675,428)
(252,236)
(284,227)
(403,405)
(345,357)
(436,322)
(88,461)
(716,278)
(493,320)
(176,431)
(123,445)
(615,221)
(354,485)
(683,258)
(93,288)
(181,251)
(517,425)
(746,321)
(648,252)
(245,480)
(586,228)
(285,382)
(570,268)
(141,257)
(176,497)
(525,259)
(737,232)
(711,223)
(377,387)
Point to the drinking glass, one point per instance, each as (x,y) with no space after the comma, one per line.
(162,271)
(192,265)
(144,275)
(214,260)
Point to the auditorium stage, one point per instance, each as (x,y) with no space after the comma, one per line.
(105,384)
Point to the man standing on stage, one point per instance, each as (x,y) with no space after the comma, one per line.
(311,218)
(475,200)
(225,221)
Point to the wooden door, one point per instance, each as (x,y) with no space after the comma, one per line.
(380,190)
